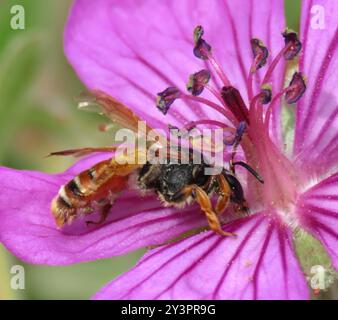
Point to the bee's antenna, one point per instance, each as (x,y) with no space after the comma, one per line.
(251,170)
(236,141)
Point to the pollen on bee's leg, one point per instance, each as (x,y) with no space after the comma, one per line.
(215,225)
(204,201)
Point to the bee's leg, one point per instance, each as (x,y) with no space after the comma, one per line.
(103,213)
(224,194)
(204,201)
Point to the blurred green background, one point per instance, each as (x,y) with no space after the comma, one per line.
(38,115)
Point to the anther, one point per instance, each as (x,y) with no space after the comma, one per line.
(292,93)
(296,88)
(198,33)
(260,53)
(202,48)
(292,44)
(266,94)
(197,82)
(165,98)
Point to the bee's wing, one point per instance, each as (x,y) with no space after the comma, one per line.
(116,111)
(113,109)
(82,151)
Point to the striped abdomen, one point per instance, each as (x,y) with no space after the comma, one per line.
(90,185)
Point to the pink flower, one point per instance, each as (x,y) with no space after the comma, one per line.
(133,50)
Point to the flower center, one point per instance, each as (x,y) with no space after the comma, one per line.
(280,177)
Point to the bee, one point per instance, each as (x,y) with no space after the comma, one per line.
(175,184)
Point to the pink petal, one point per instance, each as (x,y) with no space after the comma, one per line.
(317,112)
(319,208)
(133,50)
(28,230)
(258,264)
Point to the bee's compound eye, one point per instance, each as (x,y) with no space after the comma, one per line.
(236,187)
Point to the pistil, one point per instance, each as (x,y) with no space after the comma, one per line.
(235,103)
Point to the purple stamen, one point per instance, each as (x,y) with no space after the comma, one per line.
(260,53)
(296,88)
(218,70)
(291,49)
(198,81)
(198,33)
(166,98)
(275,62)
(202,50)
(293,44)
(266,94)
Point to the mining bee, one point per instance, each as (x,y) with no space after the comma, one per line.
(175,184)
